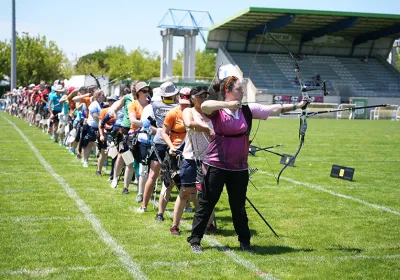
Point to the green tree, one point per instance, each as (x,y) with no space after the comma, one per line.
(205,63)
(177,64)
(37,59)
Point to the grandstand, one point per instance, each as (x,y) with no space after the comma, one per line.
(348,50)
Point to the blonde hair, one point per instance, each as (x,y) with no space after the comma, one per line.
(97,93)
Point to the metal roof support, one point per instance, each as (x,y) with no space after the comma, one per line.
(187,24)
(271,26)
(328,29)
(227,40)
(375,35)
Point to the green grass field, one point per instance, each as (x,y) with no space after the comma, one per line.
(59,221)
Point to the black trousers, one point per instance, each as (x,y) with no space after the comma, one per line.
(236,185)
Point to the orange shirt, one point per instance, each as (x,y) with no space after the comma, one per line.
(72,106)
(103,113)
(135,107)
(86,100)
(174,120)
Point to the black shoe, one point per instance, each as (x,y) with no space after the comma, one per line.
(196,248)
(160,217)
(98,173)
(246,248)
(125,191)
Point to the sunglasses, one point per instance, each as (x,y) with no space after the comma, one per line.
(145,91)
(184,96)
(203,95)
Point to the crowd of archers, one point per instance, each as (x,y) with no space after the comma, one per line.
(195,144)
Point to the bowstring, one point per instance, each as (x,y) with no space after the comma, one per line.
(259,121)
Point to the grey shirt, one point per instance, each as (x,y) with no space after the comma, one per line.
(160,110)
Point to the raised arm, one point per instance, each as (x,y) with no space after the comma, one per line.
(189,122)
(209,106)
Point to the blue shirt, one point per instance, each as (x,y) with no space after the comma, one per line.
(50,94)
(94,107)
(55,102)
(65,108)
(119,118)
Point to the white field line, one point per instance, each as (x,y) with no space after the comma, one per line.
(46,271)
(132,267)
(40,219)
(20,172)
(283,259)
(230,253)
(319,188)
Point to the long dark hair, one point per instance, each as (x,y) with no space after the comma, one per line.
(195,91)
(225,83)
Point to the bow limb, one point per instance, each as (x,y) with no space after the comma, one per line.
(97,80)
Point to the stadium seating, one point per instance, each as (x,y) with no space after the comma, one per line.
(274,73)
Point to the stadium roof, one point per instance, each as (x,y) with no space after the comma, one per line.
(308,27)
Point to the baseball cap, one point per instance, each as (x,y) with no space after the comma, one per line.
(71,89)
(184,96)
(113,97)
(140,86)
(198,90)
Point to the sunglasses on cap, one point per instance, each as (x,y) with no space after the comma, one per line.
(184,96)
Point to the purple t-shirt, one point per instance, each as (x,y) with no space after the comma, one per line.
(231,153)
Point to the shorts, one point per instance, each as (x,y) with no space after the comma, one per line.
(161,150)
(141,153)
(92,133)
(102,144)
(55,118)
(188,172)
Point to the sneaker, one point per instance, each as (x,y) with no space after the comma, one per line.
(188,210)
(139,198)
(160,217)
(98,173)
(246,248)
(114,183)
(78,156)
(136,182)
(212,228)
(60,144)
(52,137)
(125,191)
(196,248)
(85,164)
(109,179)
(141,209)
(174,230)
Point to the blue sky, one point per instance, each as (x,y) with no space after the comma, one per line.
(83,26)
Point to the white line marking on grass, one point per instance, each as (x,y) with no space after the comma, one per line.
(319,188)
(47,271)
(40,219)
(335,258)
(235,257)
(132,267)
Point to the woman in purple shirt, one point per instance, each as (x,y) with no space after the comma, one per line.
(226,160)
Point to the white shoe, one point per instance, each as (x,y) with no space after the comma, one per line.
(114,183)
(141,210)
